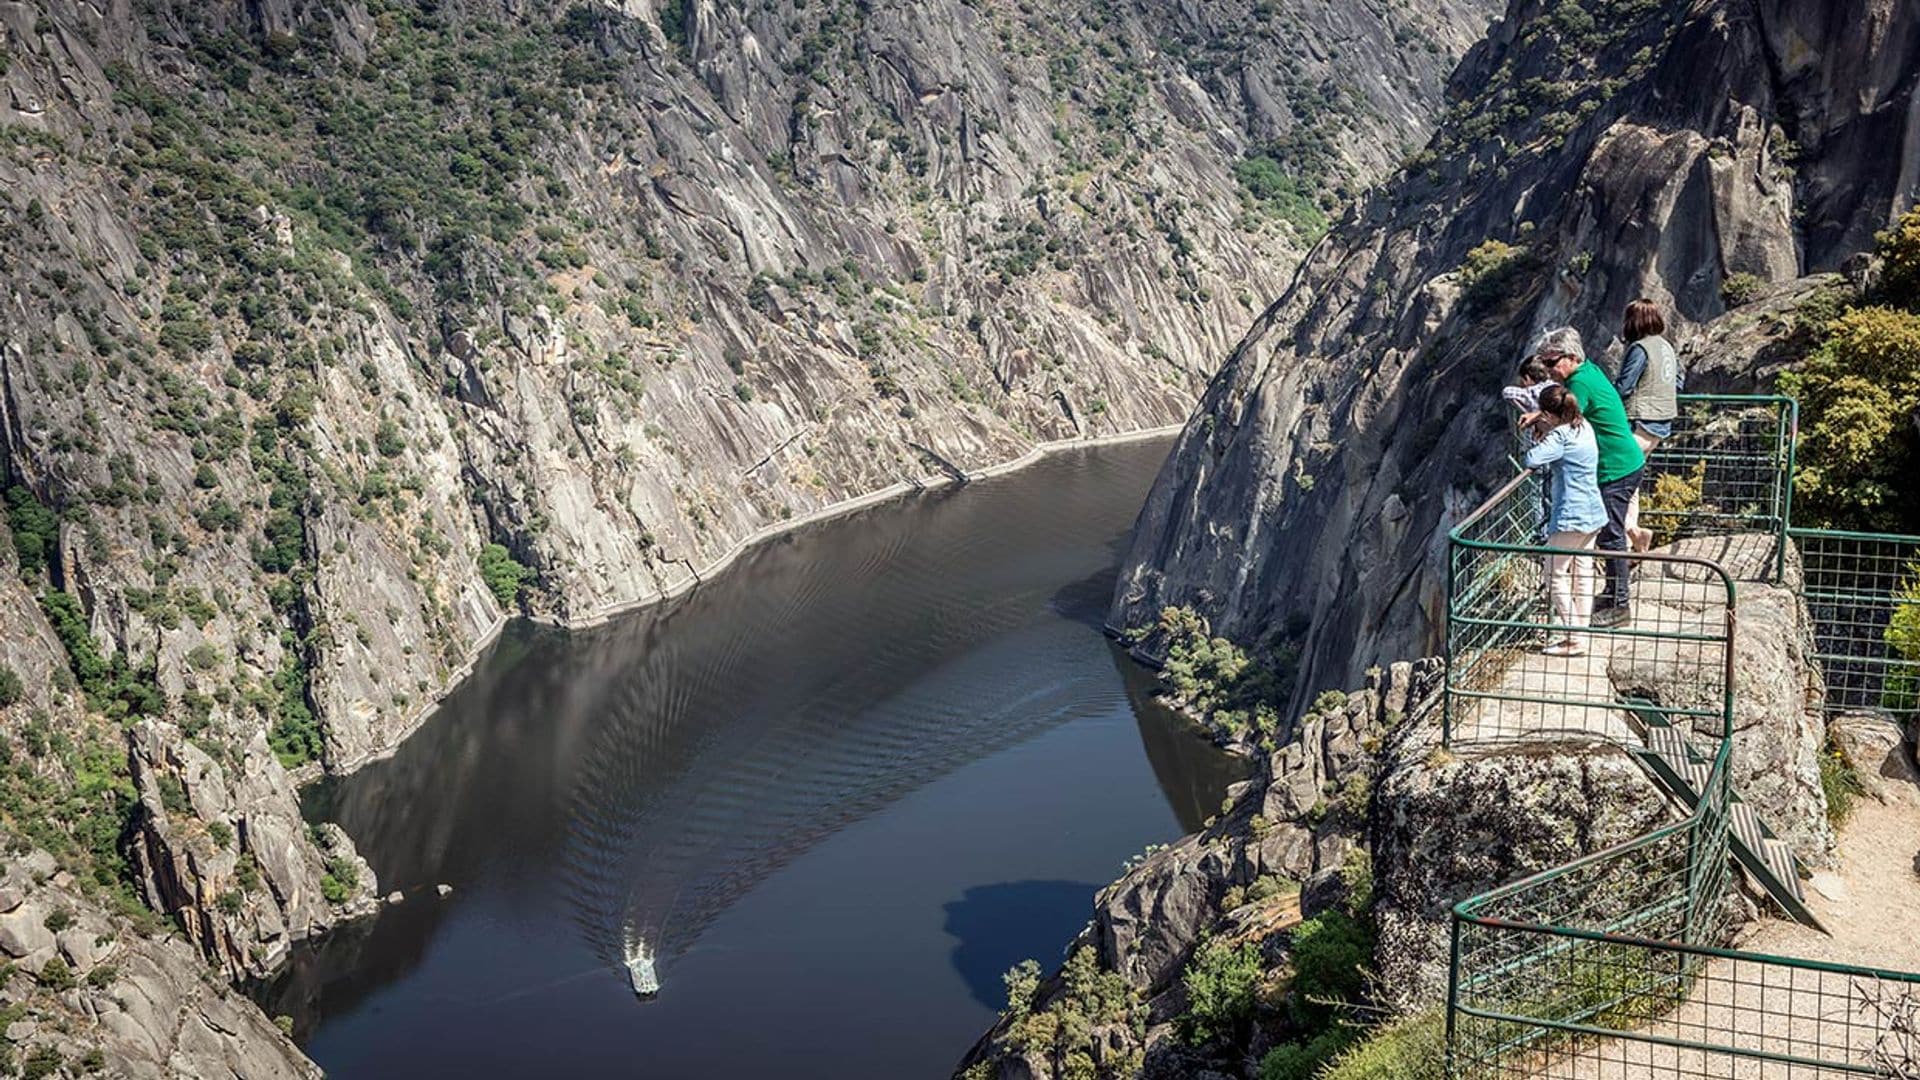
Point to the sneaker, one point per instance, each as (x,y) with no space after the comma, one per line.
(1618,615)
(1564,648)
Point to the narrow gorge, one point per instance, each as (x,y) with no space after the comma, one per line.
(598,536)
(337,333)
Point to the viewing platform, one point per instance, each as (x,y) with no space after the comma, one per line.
(1746,637)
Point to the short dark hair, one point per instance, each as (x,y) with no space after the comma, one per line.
(1535,370)
(1643,320)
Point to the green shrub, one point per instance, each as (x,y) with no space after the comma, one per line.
(1089,998)
(1670,507)
(334,889)
(1232,691)
(1490,268)
(1292,199)
(1022,981)
(35,529)
(1858,450)
(1330,953)
(387,439)
(112,686)
(11,688)
(45,1060)
(1839,783)
(1268,886)
(1740,288)
(1411,1048)
(1304,1060)
(1901,693)
(59,920)
(296,737)
(1221,981)
(55,975)
(1356,873)
(503,574)
(1899,248)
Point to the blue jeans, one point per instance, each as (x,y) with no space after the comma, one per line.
(1617,494)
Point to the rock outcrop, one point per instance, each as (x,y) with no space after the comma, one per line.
(85,992)
(229,858)
(1664,150)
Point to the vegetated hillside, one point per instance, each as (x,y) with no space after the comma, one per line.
(336,330)
(311,303)
(1699,153)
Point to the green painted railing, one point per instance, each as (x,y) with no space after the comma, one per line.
(1614,965)
(1863,591)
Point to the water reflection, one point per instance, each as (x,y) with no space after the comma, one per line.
(649,774)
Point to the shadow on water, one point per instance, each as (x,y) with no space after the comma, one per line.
(997,926)
(654,771)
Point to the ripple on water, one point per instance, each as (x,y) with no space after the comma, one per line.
(639,780)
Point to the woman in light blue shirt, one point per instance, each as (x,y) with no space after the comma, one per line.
(1565,443)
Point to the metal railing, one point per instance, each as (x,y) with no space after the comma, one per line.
(1863,592)
(1612,965)
(1501,685)
(1727,469)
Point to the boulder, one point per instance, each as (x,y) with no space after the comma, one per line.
(1450,826)
(23,932)
(1874,744)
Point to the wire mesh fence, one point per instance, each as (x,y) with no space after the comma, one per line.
(1726,469)
(1863,593)
(1614,1007)
(1525,658)
(1611,966)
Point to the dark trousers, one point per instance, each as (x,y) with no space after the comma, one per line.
(1616,495)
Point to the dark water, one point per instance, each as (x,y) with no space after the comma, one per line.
(835,793)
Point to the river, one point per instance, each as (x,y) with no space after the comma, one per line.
(833,793)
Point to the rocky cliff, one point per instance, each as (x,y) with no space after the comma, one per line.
(336,331)
(1595,151)
(317,301)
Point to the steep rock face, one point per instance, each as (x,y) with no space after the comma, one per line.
(122,1004)
(229,858)
(1651,149)
(338,293)
(1449,827)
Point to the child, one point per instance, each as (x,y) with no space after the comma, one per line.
(1534,379)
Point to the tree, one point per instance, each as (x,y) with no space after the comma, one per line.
(503,574)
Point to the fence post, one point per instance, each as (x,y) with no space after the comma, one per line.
(1453,994)
(1446,695)
(1791,432)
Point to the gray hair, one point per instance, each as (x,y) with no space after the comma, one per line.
(1561,339)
